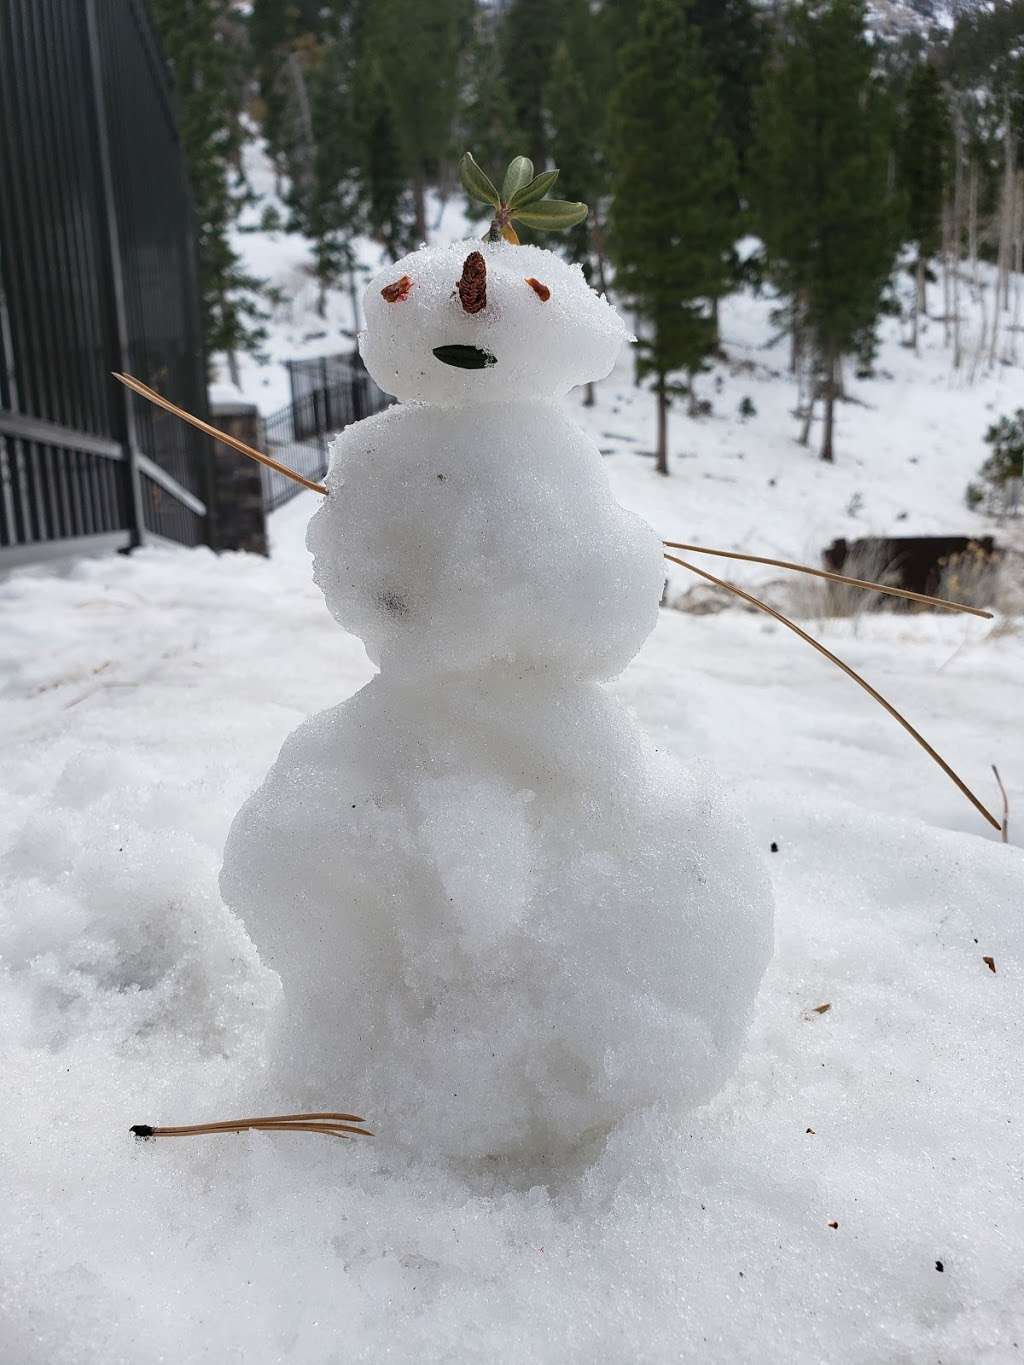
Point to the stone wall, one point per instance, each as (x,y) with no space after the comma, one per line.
(240,519)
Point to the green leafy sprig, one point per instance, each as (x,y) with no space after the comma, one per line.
(521,199)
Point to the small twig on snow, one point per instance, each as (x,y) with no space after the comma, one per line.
(1006,806)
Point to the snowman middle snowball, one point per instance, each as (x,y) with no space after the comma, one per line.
(502,919)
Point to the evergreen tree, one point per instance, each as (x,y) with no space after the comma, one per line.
(284,40)
(827,212)
(576,103)
(576,145)
(383,171)
(270,32)
(485,119)
(734,38)
(205,66)
(530,32)
(335,215)
(924,158)
(418,51)
(669,231)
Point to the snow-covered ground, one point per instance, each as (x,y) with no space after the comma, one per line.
(144,698)
(855,1192)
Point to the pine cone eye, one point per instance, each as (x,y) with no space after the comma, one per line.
(395,293)
(541,290)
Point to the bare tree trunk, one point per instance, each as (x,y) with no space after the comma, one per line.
(597,242)
(692,406)
(831,359)
(353,293)
(920,295)
(979,350)
(805,431)
(972,223)
(233,371)
(958,353)
(1006,215)
(955,235)
(796,336)
(1018,265)
(301,114)
(662,463)
(419,199)
(947,273)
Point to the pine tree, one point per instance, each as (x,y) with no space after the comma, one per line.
(924,170)
(669,231)
(576,101)
(383,171)
(530,32)
(271,28)
(335,208)
(419,53)
(485,119)
(193,34)
(576,146)
(826,210)
(734,38)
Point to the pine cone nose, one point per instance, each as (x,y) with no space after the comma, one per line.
(472,286)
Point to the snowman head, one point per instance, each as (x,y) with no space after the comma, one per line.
(480,322)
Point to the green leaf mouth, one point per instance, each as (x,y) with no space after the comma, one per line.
(465,357)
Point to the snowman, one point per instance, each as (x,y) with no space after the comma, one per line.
(503,919)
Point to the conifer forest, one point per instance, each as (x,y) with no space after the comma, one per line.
(845,137)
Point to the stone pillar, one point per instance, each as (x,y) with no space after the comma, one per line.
(239,520)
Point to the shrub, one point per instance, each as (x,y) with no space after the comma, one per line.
(1001,474)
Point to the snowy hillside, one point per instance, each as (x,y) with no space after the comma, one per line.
(908,440)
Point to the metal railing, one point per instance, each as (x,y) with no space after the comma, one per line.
(299,434)
(97,273)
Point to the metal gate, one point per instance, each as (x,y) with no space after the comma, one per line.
(97,273)
(328,392)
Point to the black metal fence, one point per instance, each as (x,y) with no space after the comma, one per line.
(300,433)
(97,273)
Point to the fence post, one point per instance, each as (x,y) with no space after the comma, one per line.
(238,483)
(121,397)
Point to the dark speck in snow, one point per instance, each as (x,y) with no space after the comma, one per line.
(393,602)
(939,1267)
(775,847)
